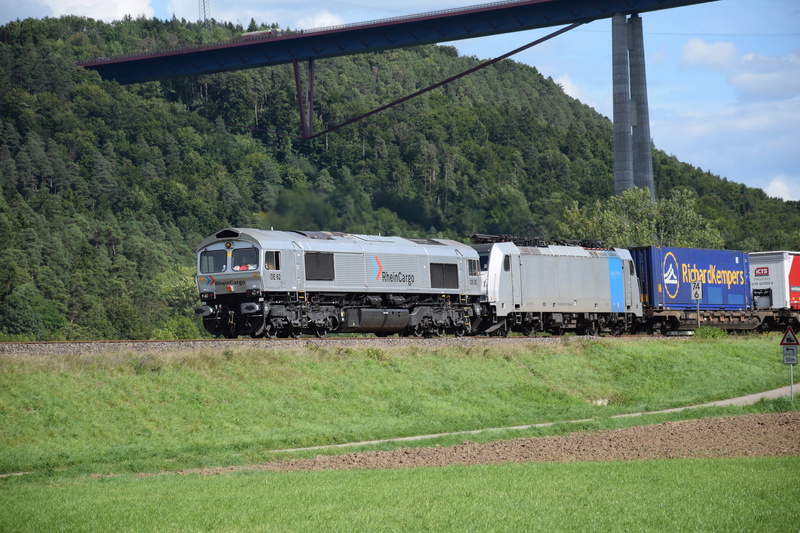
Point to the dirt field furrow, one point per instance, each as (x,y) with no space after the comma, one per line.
(773,434)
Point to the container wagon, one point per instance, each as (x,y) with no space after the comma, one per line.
(666,275)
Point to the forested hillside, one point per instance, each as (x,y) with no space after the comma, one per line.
(107,189)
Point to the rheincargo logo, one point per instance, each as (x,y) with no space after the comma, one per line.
(397,277)
(388,277)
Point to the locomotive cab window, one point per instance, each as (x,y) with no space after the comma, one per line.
(272,260)
(474,268)
(484,258)
(213,261)
(245,259)
(507,263)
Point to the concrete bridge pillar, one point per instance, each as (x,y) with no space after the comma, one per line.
(633,159)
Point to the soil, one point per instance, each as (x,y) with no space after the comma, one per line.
(772,434)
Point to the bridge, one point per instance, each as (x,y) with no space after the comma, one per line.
(630,94)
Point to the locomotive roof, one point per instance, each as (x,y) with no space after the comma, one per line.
(577,251)
(261,237)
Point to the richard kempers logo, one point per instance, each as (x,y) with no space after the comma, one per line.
(670,270)
(677,273)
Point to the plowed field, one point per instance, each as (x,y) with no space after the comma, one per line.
(773,434)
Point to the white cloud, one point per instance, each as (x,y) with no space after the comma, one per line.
(569,86)
(106,10)
(753,76)
(323,19)
(784,187)
(718,56)
(748,142)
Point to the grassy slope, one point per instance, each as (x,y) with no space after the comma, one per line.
(133,412)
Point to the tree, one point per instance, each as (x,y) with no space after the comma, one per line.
(632,219)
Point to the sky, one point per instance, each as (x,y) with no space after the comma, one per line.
(723,77)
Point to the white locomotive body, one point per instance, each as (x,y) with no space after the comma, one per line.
(556,288)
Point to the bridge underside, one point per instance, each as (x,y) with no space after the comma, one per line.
(426,28)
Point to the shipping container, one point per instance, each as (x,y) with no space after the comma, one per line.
(666,275)
(775,277)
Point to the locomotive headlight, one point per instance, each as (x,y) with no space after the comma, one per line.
(206,295)
(230,288)
(253,292)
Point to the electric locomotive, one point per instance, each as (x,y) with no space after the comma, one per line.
(572,286)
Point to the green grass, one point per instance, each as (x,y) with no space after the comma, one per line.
(63,417)
(752,494)
(144,413)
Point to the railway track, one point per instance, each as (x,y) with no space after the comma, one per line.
(68,347)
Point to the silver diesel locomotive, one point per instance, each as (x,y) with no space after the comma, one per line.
(286,283)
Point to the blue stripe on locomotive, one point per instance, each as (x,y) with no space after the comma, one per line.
(617,287)
(666,275)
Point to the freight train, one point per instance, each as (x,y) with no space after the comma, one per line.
(288,283)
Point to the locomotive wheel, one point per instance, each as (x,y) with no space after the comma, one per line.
(528,329)
(295,333)
(320,332)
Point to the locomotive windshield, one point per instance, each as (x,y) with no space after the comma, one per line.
(213,261)
(245,259)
